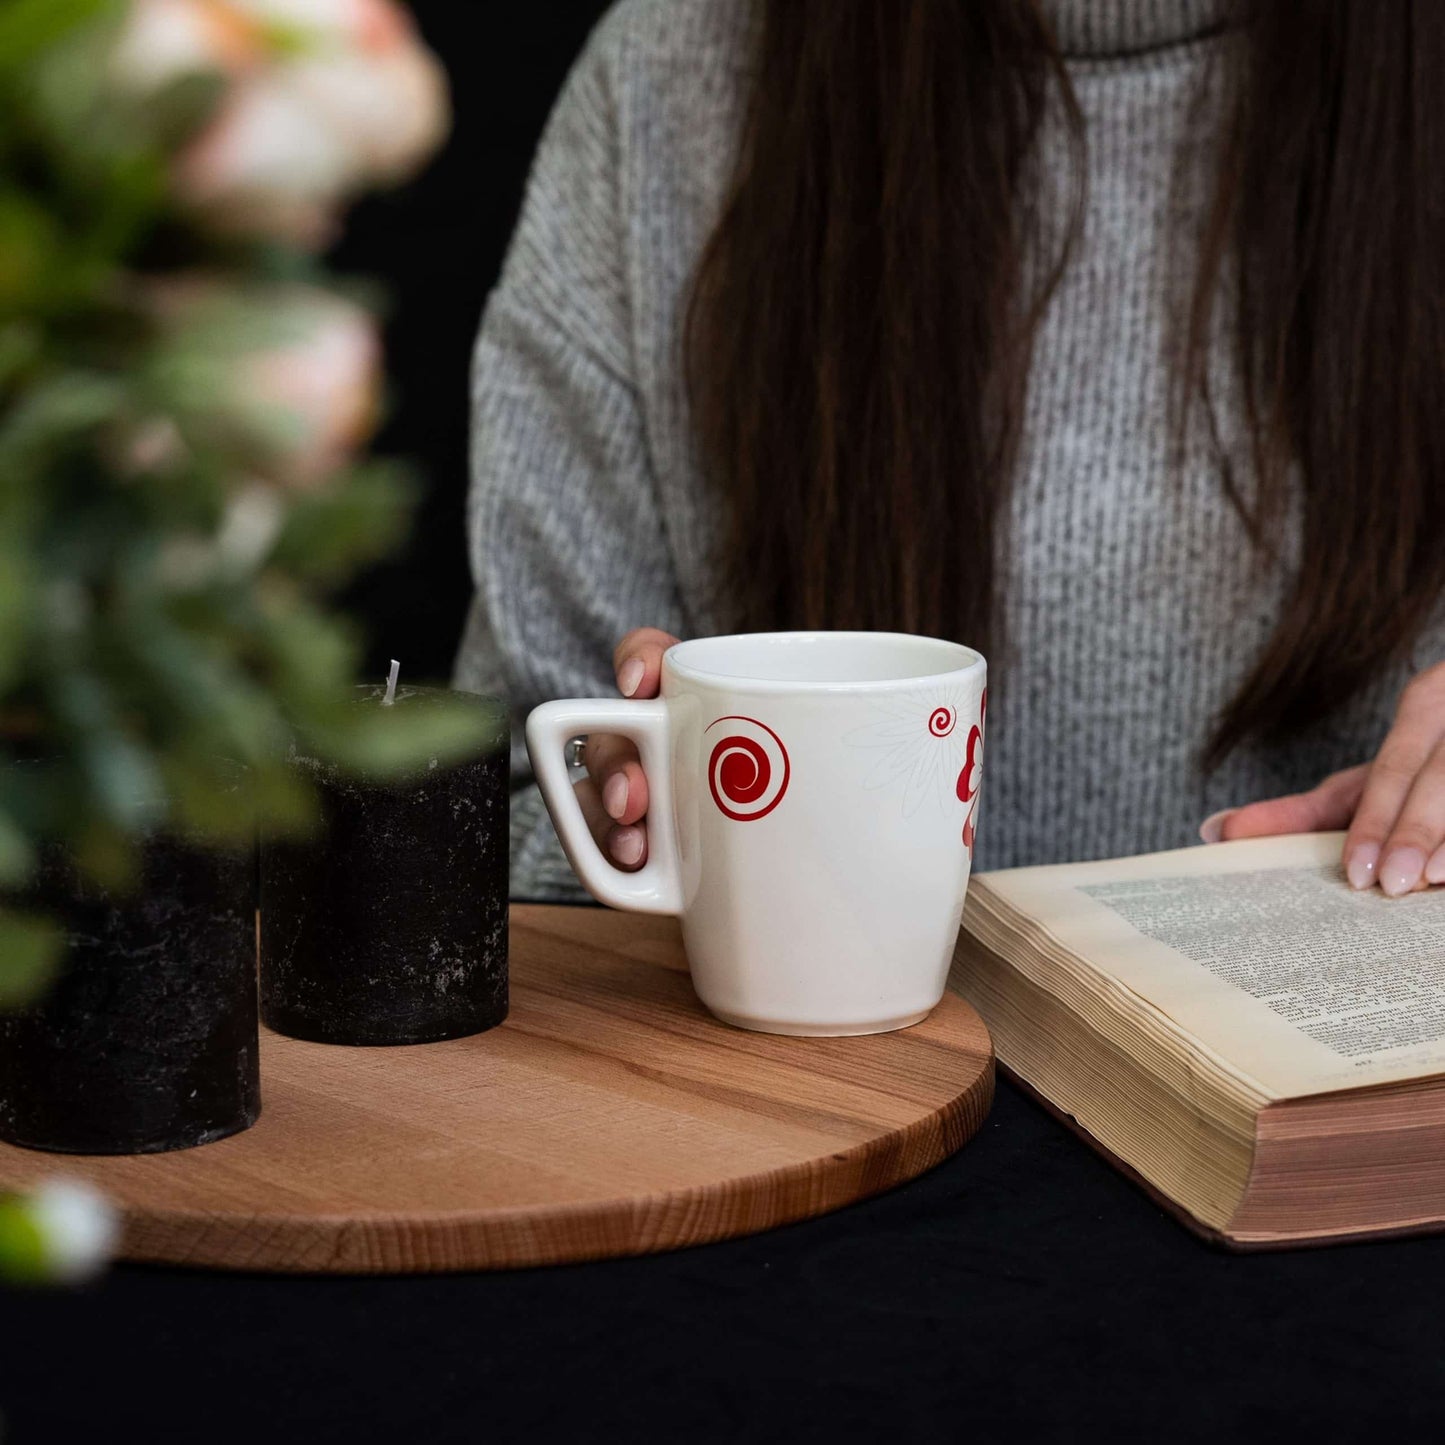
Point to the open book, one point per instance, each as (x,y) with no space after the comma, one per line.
(1260,1046)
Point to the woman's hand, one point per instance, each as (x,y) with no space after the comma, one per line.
(1393,807)
(614,792)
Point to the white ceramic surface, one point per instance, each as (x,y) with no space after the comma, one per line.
(812,801)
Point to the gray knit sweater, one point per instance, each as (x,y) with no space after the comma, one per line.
(1133,603)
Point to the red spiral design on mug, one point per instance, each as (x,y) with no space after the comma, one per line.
(748,769)
(941,721)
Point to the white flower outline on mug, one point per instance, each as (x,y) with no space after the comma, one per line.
(918,746)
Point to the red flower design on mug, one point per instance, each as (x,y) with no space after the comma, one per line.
(971,774)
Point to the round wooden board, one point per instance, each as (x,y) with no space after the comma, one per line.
(610,1115)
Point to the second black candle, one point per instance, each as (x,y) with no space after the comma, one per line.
(390,926)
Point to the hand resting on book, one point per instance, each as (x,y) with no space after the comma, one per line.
(1394,807)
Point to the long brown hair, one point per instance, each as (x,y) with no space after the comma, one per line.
(858,335)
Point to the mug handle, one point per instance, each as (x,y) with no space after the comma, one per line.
(656,887)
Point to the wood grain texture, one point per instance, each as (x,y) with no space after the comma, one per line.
(610,1115)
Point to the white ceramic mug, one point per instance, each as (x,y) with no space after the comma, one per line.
(810,819)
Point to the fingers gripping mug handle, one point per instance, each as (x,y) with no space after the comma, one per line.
(656,887)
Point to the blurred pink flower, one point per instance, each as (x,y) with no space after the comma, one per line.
(265,166)
(373,24)
(391,105)
(162,40)
(286,376)
(322,384)
(353,99)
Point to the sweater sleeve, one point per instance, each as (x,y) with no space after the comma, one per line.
(566,545)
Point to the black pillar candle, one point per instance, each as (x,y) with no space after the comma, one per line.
(146,1040)
(390,925)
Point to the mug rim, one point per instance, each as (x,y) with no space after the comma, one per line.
(971,661)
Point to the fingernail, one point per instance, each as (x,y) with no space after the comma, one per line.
(629,676)
(1360,866)
(1212,828)
(1435,868)
(1401,870)
(614,795)
(627,845)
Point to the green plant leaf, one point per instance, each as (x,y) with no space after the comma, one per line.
(51,414)
(30,947)
(105,854)
(17,593)
(29,242)
(356,519)
(133,193)
(122,777)
(312,656)
(22,1244)
(390,742)
(20,346)
(17,857)
(284,800)
(28,27)
(175,112)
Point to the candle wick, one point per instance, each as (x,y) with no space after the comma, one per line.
(391,684)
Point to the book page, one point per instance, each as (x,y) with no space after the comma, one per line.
(1262,952)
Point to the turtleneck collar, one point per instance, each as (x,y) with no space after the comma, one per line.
(1097,29)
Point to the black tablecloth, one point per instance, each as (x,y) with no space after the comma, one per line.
(1022,1287)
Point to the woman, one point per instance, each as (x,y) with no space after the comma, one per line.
(1108,335)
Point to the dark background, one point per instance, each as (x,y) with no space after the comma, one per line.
(1022,1291)
(437,245)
